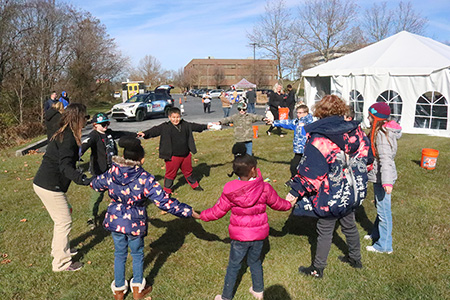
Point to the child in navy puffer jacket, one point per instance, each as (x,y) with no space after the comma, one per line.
(247,198)
(128,186)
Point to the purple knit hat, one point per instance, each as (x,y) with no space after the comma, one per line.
(380,110)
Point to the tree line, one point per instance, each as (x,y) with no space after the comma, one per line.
(326,28)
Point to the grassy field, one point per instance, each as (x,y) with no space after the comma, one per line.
(187,259)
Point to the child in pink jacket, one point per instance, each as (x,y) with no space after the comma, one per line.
(247,198)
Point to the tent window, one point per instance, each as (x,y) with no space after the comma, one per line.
(394,101)
(431,111)
(357,102)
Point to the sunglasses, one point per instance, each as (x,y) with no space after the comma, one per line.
(104,124)
(241,109)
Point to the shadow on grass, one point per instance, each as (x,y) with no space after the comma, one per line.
(199,171)
(363,220)
(306,226)
(98,234)
(276,292)
(286,162)
(418,162)
(171,241)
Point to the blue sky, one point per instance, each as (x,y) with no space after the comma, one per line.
(179,30)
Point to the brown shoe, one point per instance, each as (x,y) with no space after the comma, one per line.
(119,292)
(140,290)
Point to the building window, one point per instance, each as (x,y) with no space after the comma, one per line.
(357,103)
(394,101)
(431,111)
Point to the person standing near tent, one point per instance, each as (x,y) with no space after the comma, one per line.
(251,100)
(226,104)
(290,101)
(276,100)
(383,136)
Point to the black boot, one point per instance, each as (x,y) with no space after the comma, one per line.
(357,264)
(311,271)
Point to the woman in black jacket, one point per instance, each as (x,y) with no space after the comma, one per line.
(276,100)
(52,180)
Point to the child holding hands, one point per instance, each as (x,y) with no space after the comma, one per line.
(129,185)
(247,198)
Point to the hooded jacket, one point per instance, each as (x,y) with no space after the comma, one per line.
(247,201)
(129,185)
(52,119)
(332,175)
(384,170)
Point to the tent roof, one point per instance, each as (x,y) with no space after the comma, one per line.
(245,84)
(401,54)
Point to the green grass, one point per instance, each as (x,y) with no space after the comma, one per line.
(187,258)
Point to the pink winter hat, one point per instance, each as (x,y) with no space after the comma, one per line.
(380,110)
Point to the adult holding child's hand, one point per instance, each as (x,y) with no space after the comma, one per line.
(52,180)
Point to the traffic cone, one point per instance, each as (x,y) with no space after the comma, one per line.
(181,107)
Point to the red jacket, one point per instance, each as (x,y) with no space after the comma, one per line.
(247,201)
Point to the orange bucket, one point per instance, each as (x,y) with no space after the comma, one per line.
(429,158)
(255,131)
(283,112)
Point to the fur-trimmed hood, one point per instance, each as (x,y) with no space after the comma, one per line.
(125,170)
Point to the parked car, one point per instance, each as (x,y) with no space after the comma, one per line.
(144,105)
(200,92)
(215,93)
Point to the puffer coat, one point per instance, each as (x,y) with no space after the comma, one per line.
(384,170)
(128,186)
(247,201)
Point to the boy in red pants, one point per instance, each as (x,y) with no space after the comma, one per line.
(175,147)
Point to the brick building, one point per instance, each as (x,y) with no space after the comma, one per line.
(222,73)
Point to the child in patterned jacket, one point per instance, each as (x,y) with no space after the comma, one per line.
(303,118)
(128,186)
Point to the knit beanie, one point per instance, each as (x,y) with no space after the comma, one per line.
(132,148)
(380,111)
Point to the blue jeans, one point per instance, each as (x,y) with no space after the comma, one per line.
(251,108)
(249,147)
(238,251)
(121,244)
(382,230)
(226,111)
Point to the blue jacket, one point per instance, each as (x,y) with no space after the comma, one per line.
(129,185)
(332,176)
(296,125)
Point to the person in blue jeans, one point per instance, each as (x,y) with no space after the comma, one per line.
(383,136)
(247,197)
(128,186)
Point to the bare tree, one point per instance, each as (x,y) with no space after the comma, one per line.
(327,26)
(273,33)
(218,76)
(407,19)
(380,22)
(150,71)
(377,22)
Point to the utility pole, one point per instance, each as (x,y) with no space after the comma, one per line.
(254,48)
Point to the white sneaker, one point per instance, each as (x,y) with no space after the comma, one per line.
(368,237)
(372,249)
(257,295)
(218,297)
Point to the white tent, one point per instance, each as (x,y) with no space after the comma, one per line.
(244,84)
(409,72)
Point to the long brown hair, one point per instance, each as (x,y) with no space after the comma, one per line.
(330,105)
(377,126)
(74,118)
